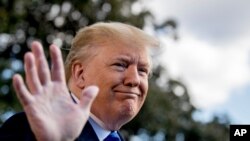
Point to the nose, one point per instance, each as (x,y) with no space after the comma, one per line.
(132,78)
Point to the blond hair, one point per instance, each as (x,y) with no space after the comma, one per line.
(101,33)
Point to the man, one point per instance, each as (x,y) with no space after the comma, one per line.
(111,59)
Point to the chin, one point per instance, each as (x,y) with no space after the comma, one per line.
(128,111)
(125,114)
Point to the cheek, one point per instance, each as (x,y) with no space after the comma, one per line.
(144,87)
(105,81)
(95,77)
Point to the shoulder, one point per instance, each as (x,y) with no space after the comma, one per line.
(87,133)
(17,121)
(16,127)
(121,136)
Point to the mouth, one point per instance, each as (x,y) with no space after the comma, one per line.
(128,93)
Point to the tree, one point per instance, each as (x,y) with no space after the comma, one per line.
(55,21)
(168,110)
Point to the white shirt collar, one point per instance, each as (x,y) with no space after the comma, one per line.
(96,123)
(100,132)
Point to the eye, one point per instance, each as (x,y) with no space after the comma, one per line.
(143,71)
(120,66)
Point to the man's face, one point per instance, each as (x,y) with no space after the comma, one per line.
(121,73)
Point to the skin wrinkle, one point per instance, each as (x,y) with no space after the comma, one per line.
(111,60)
(120,68)
(129,106)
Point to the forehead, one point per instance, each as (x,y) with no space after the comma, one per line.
(126,52)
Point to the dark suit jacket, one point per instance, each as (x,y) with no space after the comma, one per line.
(17,128)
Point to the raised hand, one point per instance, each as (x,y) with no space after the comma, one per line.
(45,98)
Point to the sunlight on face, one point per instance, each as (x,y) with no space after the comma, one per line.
(121,73)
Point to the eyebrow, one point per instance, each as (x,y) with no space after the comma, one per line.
(126,58)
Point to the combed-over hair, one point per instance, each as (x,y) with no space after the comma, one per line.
(101,33)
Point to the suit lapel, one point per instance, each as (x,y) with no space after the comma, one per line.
(121,136)
(88,134)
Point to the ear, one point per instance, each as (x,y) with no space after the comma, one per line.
(77,71)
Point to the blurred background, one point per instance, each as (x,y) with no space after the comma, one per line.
(200,81)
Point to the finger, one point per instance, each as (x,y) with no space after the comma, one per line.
(57,67)
(88,96)
(41,62)
(31,73)
(21,91)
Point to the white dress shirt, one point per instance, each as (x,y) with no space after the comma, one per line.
(99,130)
(96,123)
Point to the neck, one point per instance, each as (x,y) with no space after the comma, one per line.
(107,125)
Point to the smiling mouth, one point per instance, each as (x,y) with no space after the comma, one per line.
(128,93)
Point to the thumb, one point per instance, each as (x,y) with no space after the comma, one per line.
(88,96)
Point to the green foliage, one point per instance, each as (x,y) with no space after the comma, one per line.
(56,21)
(167,109)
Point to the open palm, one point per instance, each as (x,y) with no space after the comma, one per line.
(51,113)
